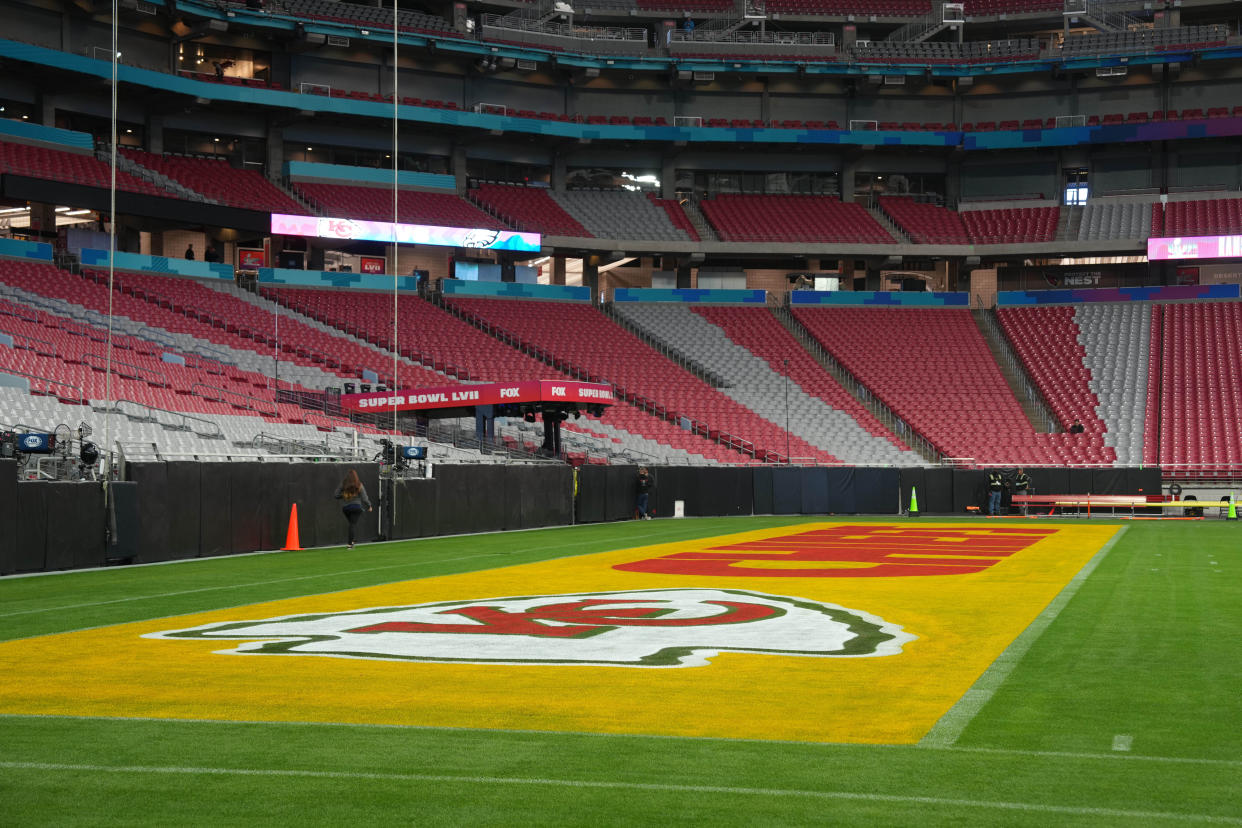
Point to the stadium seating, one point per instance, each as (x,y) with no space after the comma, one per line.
(1047,342)
(580,338)
(1109,219)
(748,348)
(414,207)
(1201,389)
(70,167)
(933,368)
(447,343)
(217,180)
(677,215)
(529,208)
(837,8)
(1202,217)
(791,218)
(925,223)
(620,214)
(1116,341)
(1012,225)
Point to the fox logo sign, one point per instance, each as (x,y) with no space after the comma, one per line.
(644,628)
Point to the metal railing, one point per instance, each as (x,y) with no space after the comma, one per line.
(511,22)
(66,392)
(879,409)
(704,35)
(1033,395)
(172,420)
(213,393)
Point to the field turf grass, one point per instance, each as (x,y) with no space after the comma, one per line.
(1126,709)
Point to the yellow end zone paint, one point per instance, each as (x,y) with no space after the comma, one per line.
(960,623)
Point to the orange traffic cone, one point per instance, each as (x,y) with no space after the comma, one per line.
(291,539)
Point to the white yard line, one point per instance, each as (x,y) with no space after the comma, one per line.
(479,781)
(949,728)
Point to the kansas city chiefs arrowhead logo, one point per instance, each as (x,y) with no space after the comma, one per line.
(643,628)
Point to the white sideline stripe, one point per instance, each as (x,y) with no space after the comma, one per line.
(1030,807)
(1034,754)
(949,728)
(1122,742)
(402,565)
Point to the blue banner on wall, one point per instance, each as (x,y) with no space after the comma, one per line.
(879,298)
(691,296)
(515,290)
(1154,293)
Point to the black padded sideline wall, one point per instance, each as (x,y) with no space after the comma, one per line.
(189,510)
(49,525)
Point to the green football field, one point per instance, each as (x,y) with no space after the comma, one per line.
(1120,705)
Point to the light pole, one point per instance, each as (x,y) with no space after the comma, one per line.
(788,459)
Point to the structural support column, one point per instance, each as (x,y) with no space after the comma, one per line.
(559,173)
(668,177)
(558,270)
(458,165)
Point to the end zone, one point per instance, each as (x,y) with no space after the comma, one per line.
(832,632)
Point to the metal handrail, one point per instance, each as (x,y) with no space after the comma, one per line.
(176,420)
(49,382)
(217,394)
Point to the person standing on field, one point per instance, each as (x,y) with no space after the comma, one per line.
(354,495)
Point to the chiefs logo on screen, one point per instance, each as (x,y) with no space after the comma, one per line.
(643,628)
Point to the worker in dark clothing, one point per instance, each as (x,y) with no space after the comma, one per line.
(1022,485)
(644,494)
(996,486)
(1077,427)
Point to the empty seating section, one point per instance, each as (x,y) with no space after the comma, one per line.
(989,8)
(441,340)
(184,306)
(529,208)
(948,52)
(839,8)
(1046,340)
(579,336)
(1116,341)
(1204,217)
(219,181)
(378,17)
(1106,219)
(74,351)
(1012,225)
(1145,40)
(1201,389)
(791,218)
(845,427)
(47,345)
(426,333)
(934,369)
(925,223)
(70,167)
(700,6)
(413,206)
(619,214)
